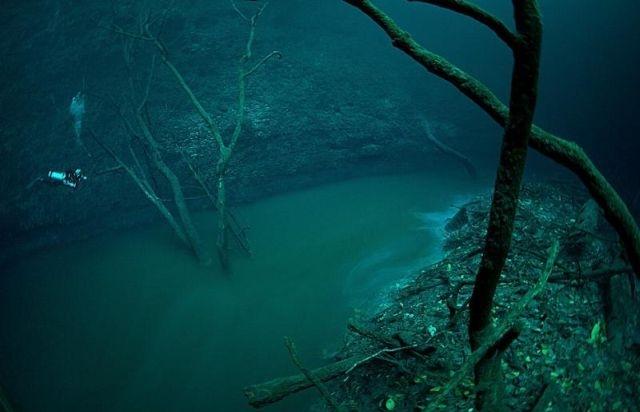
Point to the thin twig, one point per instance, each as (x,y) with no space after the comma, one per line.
(274,53)
(235,7)
(378,353)
(471,10)
(291,347)
(490,337)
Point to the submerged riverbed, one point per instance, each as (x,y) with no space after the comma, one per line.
(131,322)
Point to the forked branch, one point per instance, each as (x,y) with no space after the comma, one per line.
(493,335)
(564,152)
(477,13)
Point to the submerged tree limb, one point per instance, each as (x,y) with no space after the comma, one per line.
(471,10)
(506,192)
(592,276)
(494,335)
(225,149)
(291,347)
(565,152)
(145,187)
(449,151)
(235,227)
(377,354)
(276,389)
(189,229)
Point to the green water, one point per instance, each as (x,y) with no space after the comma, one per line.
(130,323)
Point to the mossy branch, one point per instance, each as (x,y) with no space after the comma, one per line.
(477,13)
(564,152)
(491,336)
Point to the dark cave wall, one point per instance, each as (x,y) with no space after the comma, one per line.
(329,110)
(341,103)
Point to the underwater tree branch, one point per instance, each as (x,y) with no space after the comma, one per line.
(493,335)
(145,96)
(226,152)
(236,228)
(243,74)
(146,35)
(274,53)
(324,392)
(449,151)
(225,149)
(277,389)
(117,29)
(592,276)
(206,117)
(138,165)
(506,192)
(145,188)
(477,13)
(377,354)
(141,116)
(185,230)
(241,14)
(564,152)
(193,239)
(252,32)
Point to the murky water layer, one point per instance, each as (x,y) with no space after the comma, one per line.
(131,322)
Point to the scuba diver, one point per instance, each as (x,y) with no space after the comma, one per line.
(71,178)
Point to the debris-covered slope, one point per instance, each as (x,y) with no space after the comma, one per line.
(578,343)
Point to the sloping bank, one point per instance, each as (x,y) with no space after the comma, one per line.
(579,346)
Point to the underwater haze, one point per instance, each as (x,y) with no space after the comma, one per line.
(130,322)
(186,183)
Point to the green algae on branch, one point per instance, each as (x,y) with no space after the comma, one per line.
(504,203)
(564,152)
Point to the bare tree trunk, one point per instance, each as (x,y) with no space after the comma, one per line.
(225,150)
(234,227)
(513,154)
(190,232)
(562,151)
(146,188)
(223,242)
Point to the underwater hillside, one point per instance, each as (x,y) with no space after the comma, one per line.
(336,205)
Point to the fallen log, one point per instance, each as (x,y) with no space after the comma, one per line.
(274,390)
